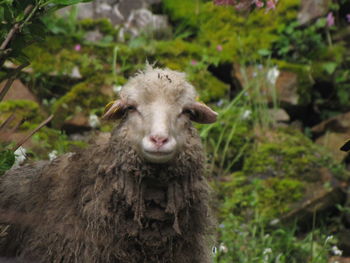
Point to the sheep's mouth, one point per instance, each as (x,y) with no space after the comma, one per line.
(159,152)
(158,156)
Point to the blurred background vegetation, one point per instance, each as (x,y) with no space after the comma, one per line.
(278,73)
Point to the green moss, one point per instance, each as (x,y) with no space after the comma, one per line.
(103,24)
(276,195)
(288,155)
(26,110)
(48,139)
(83,97)
(177,47)
(240,36)
(276,174)
(62,61)
(208,86)
(186,12)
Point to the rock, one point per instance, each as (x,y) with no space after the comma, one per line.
(8,136)
(318,199)
(287,87)
(337,259)
(279,115)
(78,123)
(117,11)
(93,36)
(142,20)
(311,9)
(18,91)
(285,83)
(290,179)
(91,137)
(339,124)
(333,133)
(333,141)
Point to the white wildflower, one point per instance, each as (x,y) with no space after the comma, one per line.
(329,238)
(20,155)
(223,248)
(274,221)
(94,122)
(220,103)
(53,155)
(246,114)
(76,73)
(336,251)
(116,89)
(267,251)
(272,75)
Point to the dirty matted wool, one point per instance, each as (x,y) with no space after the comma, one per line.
(106,204)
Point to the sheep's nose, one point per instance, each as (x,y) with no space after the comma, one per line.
(158,141)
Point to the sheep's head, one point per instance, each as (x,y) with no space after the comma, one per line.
(158,106)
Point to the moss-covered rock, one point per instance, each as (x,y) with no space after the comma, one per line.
(62,61)
(103,24)
(284,168)
(26,110)
(83,98)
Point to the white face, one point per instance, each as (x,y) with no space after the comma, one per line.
(158,106)
(157,130)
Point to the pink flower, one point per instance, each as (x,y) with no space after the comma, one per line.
(77,47)
(224,2)
(259,3)
(348,17)
(271,5)
(219,48)
(330,19)
(194,62)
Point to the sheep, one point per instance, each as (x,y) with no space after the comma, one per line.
(141,197)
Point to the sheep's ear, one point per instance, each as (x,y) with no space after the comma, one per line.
(114,110)
(201,113)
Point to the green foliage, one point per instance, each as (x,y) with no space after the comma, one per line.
(300,44)
(239,35)
(83,97)
(66,25)
(25,110)
(227,140)
(27,15)
(47,140)
(251,242)
(7,159)
(50,58)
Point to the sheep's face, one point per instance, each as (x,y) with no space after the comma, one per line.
(158,106)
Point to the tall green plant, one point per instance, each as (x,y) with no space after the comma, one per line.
(21,25)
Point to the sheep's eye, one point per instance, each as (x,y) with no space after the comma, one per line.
(130,108)
(188,112)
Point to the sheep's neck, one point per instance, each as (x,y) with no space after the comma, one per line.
(154,194)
